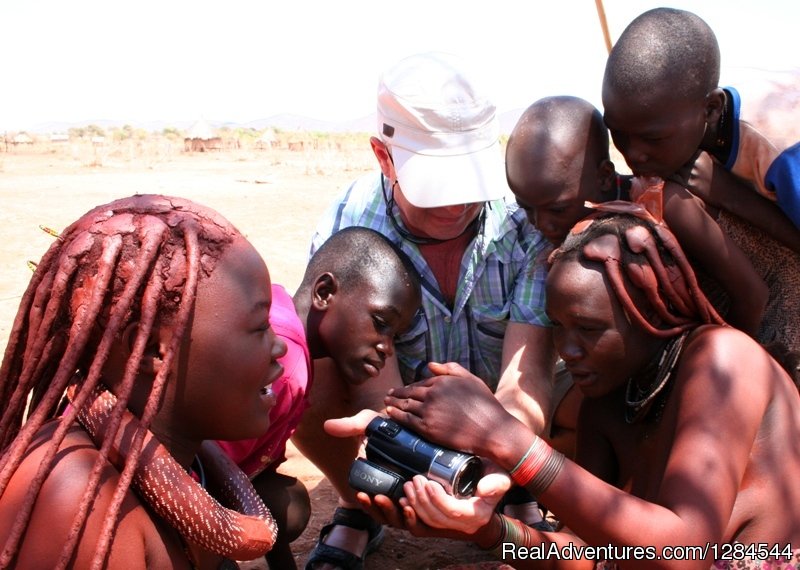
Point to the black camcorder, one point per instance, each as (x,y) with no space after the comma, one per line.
(395,454)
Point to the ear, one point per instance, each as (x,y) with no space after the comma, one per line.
(154,351)
(715,103)
(607,176)
(384,158)
(325,288)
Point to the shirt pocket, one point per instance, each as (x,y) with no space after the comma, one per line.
(411,348)
(489,329)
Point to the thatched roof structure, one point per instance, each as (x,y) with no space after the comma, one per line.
(201,130)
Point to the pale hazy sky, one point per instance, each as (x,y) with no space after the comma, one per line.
(165,60)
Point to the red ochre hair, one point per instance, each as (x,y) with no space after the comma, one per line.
(137,259)
(642,254)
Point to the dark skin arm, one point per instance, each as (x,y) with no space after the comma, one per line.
(717,187)
(714,252)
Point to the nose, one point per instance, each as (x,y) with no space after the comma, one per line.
(278,346)
(631,148)
(544,223)
(385,348)
(455,209)
(635,153)
(568,348)
(550,228)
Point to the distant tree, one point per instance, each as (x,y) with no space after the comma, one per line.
(118,134)
(95,131)
(76,132)
(246,134)
(172,133)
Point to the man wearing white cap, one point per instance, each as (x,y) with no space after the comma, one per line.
(441,196)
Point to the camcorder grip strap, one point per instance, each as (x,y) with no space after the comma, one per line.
(375,480)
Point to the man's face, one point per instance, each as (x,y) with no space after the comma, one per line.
(657,135)
(443,223)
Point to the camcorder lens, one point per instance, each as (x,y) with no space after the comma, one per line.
(467,480)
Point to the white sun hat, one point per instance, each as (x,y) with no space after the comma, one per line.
(442,132)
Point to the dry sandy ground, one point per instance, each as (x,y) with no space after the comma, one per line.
(274,197)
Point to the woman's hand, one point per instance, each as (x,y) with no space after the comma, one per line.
(455,409)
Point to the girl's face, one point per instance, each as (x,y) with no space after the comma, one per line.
(600,346)
(231,355)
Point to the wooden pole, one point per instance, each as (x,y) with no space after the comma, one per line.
(601,13)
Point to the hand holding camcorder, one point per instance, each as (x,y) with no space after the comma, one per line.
(395,454)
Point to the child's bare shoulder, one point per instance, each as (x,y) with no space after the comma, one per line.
(61,495)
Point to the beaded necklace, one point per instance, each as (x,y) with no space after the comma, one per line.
(638,398)
(243,532)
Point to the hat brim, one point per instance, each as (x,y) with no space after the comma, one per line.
(433,181)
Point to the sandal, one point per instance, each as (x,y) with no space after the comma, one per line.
(353,518)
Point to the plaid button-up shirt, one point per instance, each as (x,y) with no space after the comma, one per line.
(501,280)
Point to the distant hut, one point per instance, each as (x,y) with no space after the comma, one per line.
(21,138)
(201,138)
(268,139)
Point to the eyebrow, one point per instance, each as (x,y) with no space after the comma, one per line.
(260,306)
(586,318)
(560,203)
(392,309)
(580,317)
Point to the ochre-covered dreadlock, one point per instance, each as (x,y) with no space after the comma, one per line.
(136,259)
(641,253)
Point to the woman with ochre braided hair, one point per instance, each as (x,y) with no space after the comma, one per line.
(687,433)
(150,315)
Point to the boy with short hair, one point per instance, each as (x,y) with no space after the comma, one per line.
(663,105)
(357,293)
(557,159)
